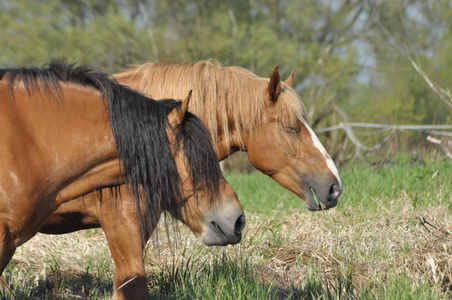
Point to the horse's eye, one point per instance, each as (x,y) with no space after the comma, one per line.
(291,129)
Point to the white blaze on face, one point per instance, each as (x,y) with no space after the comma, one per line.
(329,161)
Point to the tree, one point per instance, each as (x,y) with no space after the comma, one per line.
(360,57)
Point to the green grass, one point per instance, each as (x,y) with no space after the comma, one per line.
(423,184)
(367,188)
(222,277)
(390,237)
(260,194)
(401,287)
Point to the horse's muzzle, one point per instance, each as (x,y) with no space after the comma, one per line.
(322,199)
(224,226)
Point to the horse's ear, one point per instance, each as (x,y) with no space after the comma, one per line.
(184,106)
(176,116)
(274,86)
(289,80)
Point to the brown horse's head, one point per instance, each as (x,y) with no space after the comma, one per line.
(209,206)
(218,221)
(286,148)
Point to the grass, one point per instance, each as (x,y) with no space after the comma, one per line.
(366,188)
(221,277)
(390,237)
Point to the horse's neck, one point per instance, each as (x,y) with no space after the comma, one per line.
(103,175)
(224,146)
(130,79)
(92,145)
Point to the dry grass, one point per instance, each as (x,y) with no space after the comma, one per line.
(417,243)
(61,267)
(342,244)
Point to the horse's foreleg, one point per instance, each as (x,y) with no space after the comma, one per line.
(122,229)
(7,248)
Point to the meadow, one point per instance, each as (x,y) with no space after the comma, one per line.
(390,237)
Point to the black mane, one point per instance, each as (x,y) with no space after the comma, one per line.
(139,128)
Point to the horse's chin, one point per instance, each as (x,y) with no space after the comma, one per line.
(312,202)
(215,236)
(215,241)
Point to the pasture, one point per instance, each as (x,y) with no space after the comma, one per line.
(390,237)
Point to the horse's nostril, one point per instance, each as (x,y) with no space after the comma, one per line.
(239,224)
(335,191)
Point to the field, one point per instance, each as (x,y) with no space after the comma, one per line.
(389,238)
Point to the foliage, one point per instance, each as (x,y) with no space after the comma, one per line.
(341,55)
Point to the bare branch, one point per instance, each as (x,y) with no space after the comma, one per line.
(326,110)
(443,94)
(316,93)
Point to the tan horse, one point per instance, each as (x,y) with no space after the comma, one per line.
(65,131)
(264,117)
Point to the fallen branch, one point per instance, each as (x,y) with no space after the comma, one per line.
(347,127)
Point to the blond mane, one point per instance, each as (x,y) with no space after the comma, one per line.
(225,98)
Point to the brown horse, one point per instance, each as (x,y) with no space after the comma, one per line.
(68,131)
(264,117)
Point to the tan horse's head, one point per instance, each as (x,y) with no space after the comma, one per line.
(208,205)
(286,148)
(243,112)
